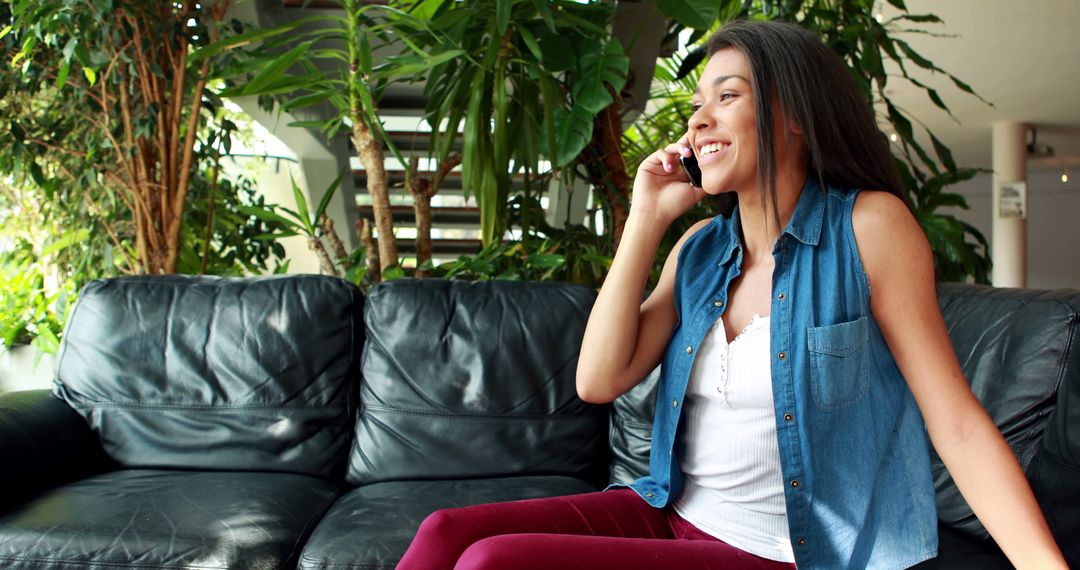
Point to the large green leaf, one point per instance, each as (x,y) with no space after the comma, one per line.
(65,241)
(232,42)
(276,70)
(328,193)
(549,92)
(487,196)
(363,53)
(502,15)
(544,10)
(474,139)
(573,132)
(603,68)
(269,216)
(559,53)
(697,14)
(943,153)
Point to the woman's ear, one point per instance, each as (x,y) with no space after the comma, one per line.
(794,127)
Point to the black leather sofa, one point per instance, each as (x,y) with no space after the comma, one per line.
(291,422)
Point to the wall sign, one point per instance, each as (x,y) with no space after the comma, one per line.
(1012,200)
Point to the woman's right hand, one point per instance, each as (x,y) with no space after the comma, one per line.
(661,189)
(625,337)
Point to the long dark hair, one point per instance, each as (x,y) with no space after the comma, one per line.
(844,146)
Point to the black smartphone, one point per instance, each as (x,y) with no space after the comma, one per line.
(690,167)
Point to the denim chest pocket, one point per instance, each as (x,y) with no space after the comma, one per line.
(839,363)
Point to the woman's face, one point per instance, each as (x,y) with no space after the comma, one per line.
(723,128)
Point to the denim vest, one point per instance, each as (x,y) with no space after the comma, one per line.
(853,447)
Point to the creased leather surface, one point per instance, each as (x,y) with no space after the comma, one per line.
(1055,471)
(371,527)
(1016,347)
(43,443)
(630,436)
(167,519)
(203,372)
(474,380)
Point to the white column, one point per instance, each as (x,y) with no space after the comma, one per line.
(566,204)
(1009,232)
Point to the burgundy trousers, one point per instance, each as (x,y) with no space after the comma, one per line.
(611,529)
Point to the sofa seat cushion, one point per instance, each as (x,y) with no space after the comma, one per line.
(371,527)
(167,519)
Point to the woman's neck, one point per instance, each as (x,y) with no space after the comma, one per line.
(759,226)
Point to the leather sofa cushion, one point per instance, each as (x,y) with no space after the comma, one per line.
(371,527)
(219,374)
(474,380)
(1016,347)
(167,519)
(1055,470)
(630,436)
(46,443)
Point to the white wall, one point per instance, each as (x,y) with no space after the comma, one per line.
(1053,224)
(273,179)
(19,371)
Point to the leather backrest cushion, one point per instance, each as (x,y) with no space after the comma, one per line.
(1016,346)
(211,373)
(474,380)
(630,435)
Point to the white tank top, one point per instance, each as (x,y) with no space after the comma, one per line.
(733,488)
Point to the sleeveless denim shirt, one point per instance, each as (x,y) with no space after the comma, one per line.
(853,447)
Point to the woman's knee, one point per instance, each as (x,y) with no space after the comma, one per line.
(496,552)
(441,525)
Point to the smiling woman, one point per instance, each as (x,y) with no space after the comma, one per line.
(800,441)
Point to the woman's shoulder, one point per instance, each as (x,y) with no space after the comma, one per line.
(693,235)
(881,211)
(703,226)
(885,230)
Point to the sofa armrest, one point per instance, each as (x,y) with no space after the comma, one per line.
(44,443)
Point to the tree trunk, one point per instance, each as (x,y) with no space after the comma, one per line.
(423,190)
(157,168)
(371,248)
(371,156)
(327,227)
(325,263)
(606,166)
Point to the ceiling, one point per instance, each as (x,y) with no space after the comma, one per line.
(1024,57)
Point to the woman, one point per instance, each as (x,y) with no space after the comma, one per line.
(790,415)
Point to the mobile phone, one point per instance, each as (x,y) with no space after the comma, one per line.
(690,167)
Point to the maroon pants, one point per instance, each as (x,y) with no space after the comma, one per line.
(612,529)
